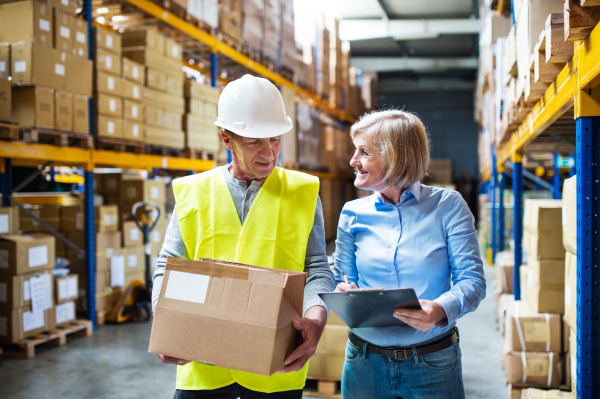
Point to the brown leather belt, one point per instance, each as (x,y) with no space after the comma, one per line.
(401,353)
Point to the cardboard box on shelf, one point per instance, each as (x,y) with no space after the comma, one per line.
(571,289)
(548,245)
(326,366)
(107,245)
(569,215)
(4,60)
(80,38)
(26,21)
(133,71)
(64,313)
(5,98)
(156,79)
(69,6)
(133,130)
(34,64)
(135,259)
(79,72)
(229,297)
(546,298)
(505,265)
(108,83)
(165,137)
(173,49)
(106,218)
(534,393)
(110,127)
(132,236)
(15,290)
(108,40)
(33,106)
(141,190)
(149,38)
(149,57)
(537,369)
(543,220)
(109,184)
(527,330)
(166,100)
(48,213)
(23,254)
(63,111)
(66,288)
(80,114)
(172,120)
(9,220)
(108,61)
(24,323)
(546,271)
(63,39)
(174,83)
(133,110)
(133,90)
(154,115)
(110,105)
(157,236)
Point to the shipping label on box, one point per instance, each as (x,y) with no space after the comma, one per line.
(108,83)
(133,71)
(133,90)
(108,62)
(110,105)
(80,38)
(135,259)
(132,236)
(133,110)
(254,305)
(9,220)
(527,330)
(27,253)
(65,313)
(4,60)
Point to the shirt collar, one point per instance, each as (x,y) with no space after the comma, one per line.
(414,190)
(240,183)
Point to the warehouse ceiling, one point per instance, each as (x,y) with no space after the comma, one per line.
(414,45)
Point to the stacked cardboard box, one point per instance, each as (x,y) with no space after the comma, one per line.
(66,290)
(569,229)
(272,30)
(542,239)
(163,94)
(201,101)
(288,42)
(322,60)
(26,281)
(48,65)
(289,141)
(336,66)
(230,21)
(533,347)
(9,220)
(328,360)
(309,132)
(5,86)
(252,25)
(355,104)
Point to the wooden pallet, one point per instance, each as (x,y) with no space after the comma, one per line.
(251,53)
(9,131)
(164,151)
(56,137)
(120,145)
(231,42)
(322,388)
(57,337)
(270,64)
(200,154)
(180,12)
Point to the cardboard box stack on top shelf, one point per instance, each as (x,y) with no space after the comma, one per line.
(163,94)
(272,32)
(201,133)
(51,75)
(252,27)
(230,22)
(288,42)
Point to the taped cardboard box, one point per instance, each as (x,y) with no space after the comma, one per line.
(534,393)
(33,107)
(543,219)
(527,330)
(27,253)
(18,324)
(50,214)
(26,21)
(9,220)
(504,302)
(536,369)
(108,105)
(240,315)
(15,290)
(106,218)
(149,38)
(133,110)
(66,288)
(132,236)
(64,313)
(5,96)
(108,40)
(505,262)
(34,64)
(569,215)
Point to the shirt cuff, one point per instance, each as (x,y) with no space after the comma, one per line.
(450,307)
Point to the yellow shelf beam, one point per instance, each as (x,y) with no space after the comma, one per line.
(220,47)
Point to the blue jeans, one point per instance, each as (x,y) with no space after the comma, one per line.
(436,375)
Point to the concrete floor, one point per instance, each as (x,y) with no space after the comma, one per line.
(114,363)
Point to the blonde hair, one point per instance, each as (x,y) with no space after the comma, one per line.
(400,140)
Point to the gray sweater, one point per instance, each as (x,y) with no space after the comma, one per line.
(319,278)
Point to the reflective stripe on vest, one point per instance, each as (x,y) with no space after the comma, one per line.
(274,234)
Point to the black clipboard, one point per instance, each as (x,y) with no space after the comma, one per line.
(371,307)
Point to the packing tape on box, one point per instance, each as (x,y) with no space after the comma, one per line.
(550,361)
(520,330)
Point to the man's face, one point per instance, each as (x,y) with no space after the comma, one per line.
(253,159)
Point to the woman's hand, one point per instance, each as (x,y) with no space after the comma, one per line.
(422,319)
(172,360)
(341,287)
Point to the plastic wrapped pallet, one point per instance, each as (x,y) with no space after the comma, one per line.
(252,24)
(272,30)
(288,42)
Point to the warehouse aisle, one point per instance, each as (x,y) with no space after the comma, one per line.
(114,363)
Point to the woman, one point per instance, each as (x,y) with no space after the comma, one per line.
(412,236)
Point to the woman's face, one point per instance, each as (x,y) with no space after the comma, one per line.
(368,166)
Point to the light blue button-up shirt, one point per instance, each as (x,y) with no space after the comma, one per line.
(426,242)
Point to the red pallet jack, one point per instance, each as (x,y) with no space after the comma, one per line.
(135,303)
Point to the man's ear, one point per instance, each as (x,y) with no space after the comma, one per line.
(227,140)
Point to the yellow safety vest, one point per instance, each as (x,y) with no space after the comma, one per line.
(274,234)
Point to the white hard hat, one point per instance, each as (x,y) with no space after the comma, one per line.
(253,107)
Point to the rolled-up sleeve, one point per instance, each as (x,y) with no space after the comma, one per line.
(466,266)
(319,276)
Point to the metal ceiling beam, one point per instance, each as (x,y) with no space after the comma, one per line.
(422,64)
(405,29)
(389,86)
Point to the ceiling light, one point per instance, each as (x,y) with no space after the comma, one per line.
(118,18)
(102,10)
(191,61)
(101,20)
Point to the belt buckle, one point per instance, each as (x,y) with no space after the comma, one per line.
(402,351)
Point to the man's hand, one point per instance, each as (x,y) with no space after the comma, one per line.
(422,319)
(172,360)
(311,328)
(341,287)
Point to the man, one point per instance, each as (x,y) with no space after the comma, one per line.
(252,212)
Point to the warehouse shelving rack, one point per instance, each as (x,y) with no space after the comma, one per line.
(578,87)
(22,154)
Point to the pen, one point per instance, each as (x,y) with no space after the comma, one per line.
(345,278)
